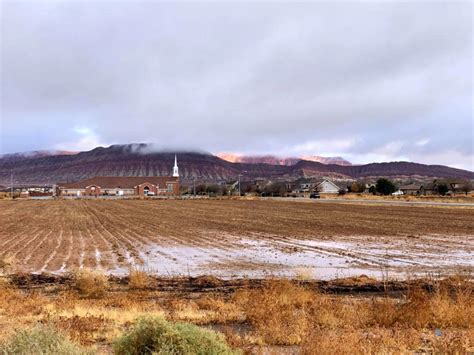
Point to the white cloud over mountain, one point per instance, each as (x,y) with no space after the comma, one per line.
(363,80)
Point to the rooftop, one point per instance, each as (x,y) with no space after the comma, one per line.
(120,181)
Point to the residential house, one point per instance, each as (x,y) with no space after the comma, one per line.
(412,189)
(327,187)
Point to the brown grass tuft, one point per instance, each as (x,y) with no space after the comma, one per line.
(138,279)
(278,312)
(80,328)
(7,264)
(14,303)
(4,282)
(90,283)
(369,341)
(447,306)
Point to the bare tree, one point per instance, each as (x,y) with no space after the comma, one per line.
(357,187)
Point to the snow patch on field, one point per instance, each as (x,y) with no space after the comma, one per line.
(62,268)
(322,259)
(98,256)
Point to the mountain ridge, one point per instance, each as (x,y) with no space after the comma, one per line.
(279,160)
(139,160)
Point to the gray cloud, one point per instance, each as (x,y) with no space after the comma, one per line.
(368,81)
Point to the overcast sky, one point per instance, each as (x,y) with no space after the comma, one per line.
(367,81)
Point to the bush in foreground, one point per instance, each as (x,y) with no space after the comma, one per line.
(90,284)
(40,340)
(158,336)
(7,264)
(138,279)
(279,312)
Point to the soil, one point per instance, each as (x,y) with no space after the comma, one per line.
(237,238)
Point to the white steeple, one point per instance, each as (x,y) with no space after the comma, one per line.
(175,167)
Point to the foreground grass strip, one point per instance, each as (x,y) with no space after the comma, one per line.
(41,340)
(154,335)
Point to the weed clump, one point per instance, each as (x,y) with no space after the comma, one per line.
(40,340)
(138,279)
(7,264)
(90,284)
(278,312)
(448,306)
(154,335)
(4,282)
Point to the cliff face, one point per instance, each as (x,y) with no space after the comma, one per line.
(139,160)
(276,160)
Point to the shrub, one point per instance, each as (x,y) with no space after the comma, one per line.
(4,282)
(278,312)
(448,306)
(7,264)
(158,336)
(466,187)
(357,187)
(443,189)
(138,279)
(385,187)
(90,284)
(40,340)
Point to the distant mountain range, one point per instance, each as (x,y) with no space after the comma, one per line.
(141,160)
(274,160)
(34,154)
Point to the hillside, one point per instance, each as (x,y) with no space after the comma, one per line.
(276,160)
(139,160)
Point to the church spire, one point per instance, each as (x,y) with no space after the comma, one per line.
(175,167)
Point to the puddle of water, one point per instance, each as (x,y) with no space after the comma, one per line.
(321,259)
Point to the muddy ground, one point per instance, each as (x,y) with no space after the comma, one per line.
(237,238)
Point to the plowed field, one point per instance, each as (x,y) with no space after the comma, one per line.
(230,238)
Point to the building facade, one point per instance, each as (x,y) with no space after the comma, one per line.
(141,186)
(327,187)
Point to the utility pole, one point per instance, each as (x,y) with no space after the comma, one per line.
(194,186)
(11,184)
(241,174)
(239,184)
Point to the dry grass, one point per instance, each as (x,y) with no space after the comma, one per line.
(4,282)
(388,341)
(90,283)
(41,340)
(278,312)
(7,264)
(155,335)
(138,279)
(92,320)
(424,310)
(282,312)
(285,313)
(209,309)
